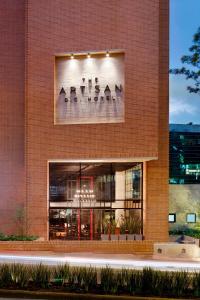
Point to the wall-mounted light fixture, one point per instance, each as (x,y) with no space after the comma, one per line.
(90,54)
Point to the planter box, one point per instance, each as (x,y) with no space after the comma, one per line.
(114,237)
(122,237)
(138,237)
(104,237)
(131,237)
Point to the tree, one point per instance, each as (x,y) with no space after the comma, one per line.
(19,219)
(193,60)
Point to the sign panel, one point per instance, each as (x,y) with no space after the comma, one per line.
(89,90)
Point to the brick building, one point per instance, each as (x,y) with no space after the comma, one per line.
(84,118)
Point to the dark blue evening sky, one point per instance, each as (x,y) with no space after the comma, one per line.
(184,21)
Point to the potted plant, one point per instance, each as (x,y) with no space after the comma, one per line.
(113,235)
(105,233)
(134,227)
(109,230)
(130,228)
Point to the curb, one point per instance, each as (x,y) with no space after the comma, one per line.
(69,296)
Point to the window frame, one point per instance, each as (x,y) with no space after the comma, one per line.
(174,215)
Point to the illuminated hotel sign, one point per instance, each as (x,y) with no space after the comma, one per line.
(89,90)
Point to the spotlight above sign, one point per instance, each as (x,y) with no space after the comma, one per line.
(91,52)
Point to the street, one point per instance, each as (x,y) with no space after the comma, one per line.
(98,261)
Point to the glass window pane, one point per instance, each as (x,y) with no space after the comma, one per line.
(63,180)
(134,182)
(191,218)
(89,199)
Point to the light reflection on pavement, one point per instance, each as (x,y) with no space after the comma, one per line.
(95,260)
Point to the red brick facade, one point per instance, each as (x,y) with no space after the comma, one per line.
(12,96)
(37,30)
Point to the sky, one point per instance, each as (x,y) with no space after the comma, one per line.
(184,21)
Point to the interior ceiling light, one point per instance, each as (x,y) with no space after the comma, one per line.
(107,54)
(88,56)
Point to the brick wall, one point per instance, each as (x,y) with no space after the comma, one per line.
(12,72)
(75,26)
(158,171)
(133,247)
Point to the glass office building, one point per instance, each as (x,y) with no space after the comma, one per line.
(184,180)
(184,154)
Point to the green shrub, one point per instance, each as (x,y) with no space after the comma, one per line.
(163,283)
(62,274)
(181,283)
(21,238)
(75,278)
(153,281)
(147,280)
(183,230)
(110,280)
(196,284)
(88,279)
(134,282)
(5,276)
(4,237)
(123,279)
(41,275)
(72,278)
(82,278)
(20,275)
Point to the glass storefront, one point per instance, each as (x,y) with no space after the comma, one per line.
(95,201)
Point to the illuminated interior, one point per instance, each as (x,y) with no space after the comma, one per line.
(95,201)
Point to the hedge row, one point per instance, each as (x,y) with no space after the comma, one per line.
(4,237)
(106,280)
